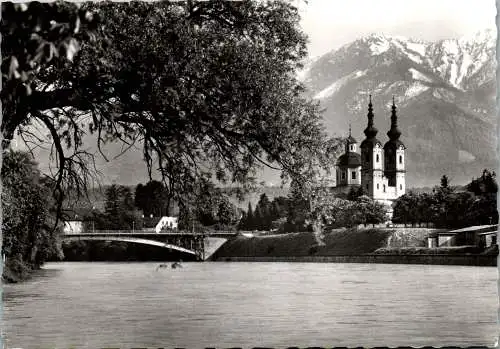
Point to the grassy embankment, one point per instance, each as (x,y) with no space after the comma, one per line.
(338,242)
(341,242)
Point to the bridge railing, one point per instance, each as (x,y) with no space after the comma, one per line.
(152,232)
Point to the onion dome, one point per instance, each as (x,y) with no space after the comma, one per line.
(370,130)
(350,140)
(394,133)
(350,159)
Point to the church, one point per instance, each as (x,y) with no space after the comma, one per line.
(378,168)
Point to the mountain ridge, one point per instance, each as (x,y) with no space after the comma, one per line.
(444,92)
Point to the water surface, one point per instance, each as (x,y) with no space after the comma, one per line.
(127,305)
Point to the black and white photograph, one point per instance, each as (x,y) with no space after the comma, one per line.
(249,173)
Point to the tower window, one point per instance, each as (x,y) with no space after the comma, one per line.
(353,175)
(377,186)
(377,158)
(401,187)
(343,175)
(384,188)
(367,187)
(400,159)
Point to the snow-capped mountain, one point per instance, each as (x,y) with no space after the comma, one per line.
(445,93)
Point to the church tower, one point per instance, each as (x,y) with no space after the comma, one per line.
(394,155)
(372,160)
(349,165)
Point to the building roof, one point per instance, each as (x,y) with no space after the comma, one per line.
(370,142)
(395,143)
(349,159)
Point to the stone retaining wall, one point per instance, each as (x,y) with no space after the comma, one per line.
(471,260)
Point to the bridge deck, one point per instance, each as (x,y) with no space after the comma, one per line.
(151,234)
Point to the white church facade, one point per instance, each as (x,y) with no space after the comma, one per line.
(376,167)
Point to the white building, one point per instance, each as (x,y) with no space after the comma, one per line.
(167,223)
(380,168)
(73,227)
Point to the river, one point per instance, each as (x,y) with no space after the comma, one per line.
(130,305)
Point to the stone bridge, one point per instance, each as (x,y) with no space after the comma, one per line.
(202,245)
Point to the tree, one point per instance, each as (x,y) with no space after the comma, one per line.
(354,193)
(374,212)
(227,213)
(264,210)
(119,211)
(207,89)
(444,182)
(28,240)
(112,204)
(249,222)
(299,206)
(401,210)
(408,209)
(246,219)
(35,37)
(484,185)
(152,198)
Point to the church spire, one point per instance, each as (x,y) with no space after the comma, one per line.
(394,133)
(370,130)
(350,141)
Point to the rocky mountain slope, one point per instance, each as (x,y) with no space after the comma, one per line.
(445,93)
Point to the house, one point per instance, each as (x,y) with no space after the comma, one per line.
(73,227)
(483,236)
(167,223)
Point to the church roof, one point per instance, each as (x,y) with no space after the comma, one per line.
(394,144)
(370,142)
(370,131)
(351,140)
(394,133)
(349,159)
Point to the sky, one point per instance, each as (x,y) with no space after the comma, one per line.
(333,23)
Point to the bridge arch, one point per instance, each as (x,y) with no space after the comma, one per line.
(131,240)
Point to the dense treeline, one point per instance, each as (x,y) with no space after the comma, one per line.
(326,210)
(267,215)
(125,209)
(448,207)
(212,209)
(28,227)
(120,211)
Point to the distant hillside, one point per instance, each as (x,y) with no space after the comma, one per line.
(270,191)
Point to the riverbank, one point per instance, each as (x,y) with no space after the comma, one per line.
(351,246)
(430,259)
(17,271)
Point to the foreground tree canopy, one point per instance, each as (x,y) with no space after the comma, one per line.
(207,89)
